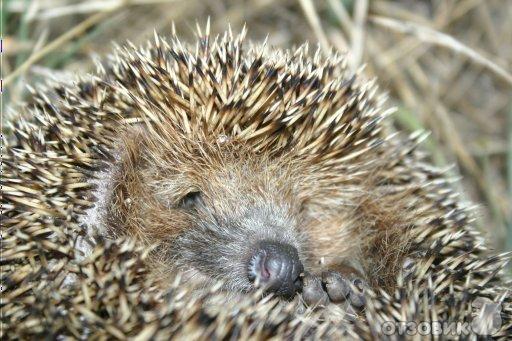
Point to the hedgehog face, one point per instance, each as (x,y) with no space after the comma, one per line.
(242,240)
(211,213)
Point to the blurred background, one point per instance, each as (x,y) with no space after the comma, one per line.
(447,65)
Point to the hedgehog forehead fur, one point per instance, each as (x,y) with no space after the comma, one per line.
(282,133)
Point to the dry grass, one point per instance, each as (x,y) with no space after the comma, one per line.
(446,64)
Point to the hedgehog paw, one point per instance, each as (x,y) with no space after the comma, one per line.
(334,287)
(313,291)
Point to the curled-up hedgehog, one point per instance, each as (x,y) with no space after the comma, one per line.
(231,191)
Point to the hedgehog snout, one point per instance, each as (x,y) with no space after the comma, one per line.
(276,267)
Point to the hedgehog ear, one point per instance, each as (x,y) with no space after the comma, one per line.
(191,200)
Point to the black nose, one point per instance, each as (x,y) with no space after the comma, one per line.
(277,267)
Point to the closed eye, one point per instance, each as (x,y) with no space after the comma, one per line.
(191,200)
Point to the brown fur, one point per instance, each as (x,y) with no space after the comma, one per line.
(153,176)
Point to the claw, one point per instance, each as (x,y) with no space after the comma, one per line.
(357,292)
(313,292)
(336,286)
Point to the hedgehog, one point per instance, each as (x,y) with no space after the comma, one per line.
(233,190)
